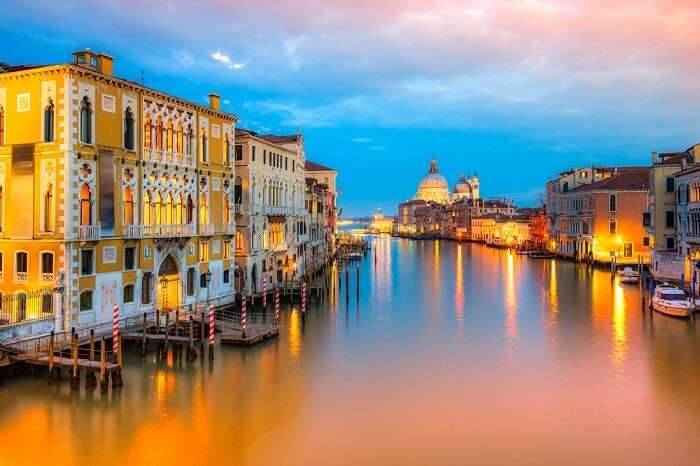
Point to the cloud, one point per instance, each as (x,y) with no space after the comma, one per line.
(226,60)
(184,58)
(361,140)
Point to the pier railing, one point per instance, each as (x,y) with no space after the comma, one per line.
(26,307)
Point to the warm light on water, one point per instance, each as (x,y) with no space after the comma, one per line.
(455,354)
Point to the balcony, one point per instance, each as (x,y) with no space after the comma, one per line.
(238,209)
(46,277)
(21,277)
(164,156)
(2,276)
(229,229)
(206,229)
(159,230)
(89,232)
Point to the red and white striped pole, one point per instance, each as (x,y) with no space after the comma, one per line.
(212,329)
(303,298)
(115,329)
(244,316)
(264,292)
(277,305)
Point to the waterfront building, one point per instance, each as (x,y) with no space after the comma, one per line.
(269,206)
(601,221)
(433,187)
(112,193)
(320,229)
(682,264)
(662,219)
(381,223)
(406,223)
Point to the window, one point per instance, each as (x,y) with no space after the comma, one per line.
(227,276)
(48,209)
(85,121)
(190,209)
(128,206)
(252,153)
(239,240)
(169,136)
(47,263)
(21,265)
(239,153)
(670,219)
(49,122)
(227,211)
(670,242)
(645,241)
(203,280)
(613,226)
(130,258)
(203,209)
(670,185)
(129,294)
(147,128)
(190,142)
(264,156)
(86,261)
(85,205)
(190,281)
(159,133)
(646,219)
(227,249)
(613,203)
(628,249)
(203,251)
(129,139)
(2,126)
(146,284)
(86,300)
(204,148)
(47,303)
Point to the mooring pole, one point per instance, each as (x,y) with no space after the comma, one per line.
(212,329)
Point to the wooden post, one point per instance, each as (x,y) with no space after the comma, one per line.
(90,379)
(74,355)
(144,342)
(51,348)
(103,366)
(167,332)
(117,374)
(190,348)
(212,329)
(201,335)
(157,321)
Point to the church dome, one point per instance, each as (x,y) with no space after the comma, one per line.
(462,186)
(433,187)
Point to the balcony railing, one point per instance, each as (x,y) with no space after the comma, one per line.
(238,209)
(2,277)
(46,277)
(229,229)
(206,228)
(164,230)
(21,277)
(89,232)
(165,156)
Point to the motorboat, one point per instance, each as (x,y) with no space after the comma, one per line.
(629,275)
(541,255)
(671,300)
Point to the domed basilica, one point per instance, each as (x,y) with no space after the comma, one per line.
(434,188)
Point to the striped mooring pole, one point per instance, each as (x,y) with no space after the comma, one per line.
(244,316)
(115,329)
(277,305)
(303,299)
(212,329)
(264,293)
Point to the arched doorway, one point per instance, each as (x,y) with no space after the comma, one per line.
(168,284)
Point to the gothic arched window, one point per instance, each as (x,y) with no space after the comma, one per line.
(85,205)
(128,206)
(129,142)
(49,122)
(86,121)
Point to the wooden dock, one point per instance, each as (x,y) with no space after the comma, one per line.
(253,335)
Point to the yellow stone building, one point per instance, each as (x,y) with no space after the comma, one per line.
(111,193)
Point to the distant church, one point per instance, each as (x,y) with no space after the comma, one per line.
(434,188)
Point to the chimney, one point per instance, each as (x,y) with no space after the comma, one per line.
(214,101)
(105,63)
(654,155)
(684,163)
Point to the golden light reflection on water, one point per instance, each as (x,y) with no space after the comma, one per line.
(459,294)
(553,292)
(295,337)
(510,301)
(618,354)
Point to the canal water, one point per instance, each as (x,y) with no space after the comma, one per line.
(454,354)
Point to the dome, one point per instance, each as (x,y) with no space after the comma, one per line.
(462,186)
(433,187)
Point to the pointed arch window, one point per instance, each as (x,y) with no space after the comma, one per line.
(85,121)
(205,156)
(613,203)
(180,210)
(147,209)
(85,205)
(129,139)
(49,122)
(128,206)
(169,138)
(203,209)
(159,133)
(190,209)
(227,211)
(147,132)
(169,214)
(179,139)
(159,209)
(48,209)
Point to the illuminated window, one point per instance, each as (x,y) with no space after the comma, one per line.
(147,209)
(227,211)
(203,209)
(613,226)
(169,138)
(49,122)
(129,142)
(159,209)
(147,129)
(179,139)
(86,121)
(85,205)
(128,206)
(239,240)
(203,251)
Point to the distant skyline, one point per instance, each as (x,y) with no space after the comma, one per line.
(514,91)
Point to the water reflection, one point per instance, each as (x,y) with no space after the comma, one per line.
(431,385)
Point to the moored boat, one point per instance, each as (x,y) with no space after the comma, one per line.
(629,275)
(671,300)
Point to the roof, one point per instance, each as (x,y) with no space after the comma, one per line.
(310,166)
(284,139)
(672,158)
(626,179)
(7,68)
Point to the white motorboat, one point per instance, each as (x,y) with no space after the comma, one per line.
(629,275)
(671,300)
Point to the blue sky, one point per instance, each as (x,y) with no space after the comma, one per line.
(513,90)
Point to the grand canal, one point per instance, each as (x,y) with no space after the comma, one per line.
(454,354)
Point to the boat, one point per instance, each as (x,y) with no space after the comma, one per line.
(541,255)
(629,275)
(671,300)
(523,252)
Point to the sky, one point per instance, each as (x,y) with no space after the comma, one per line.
(512,90)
